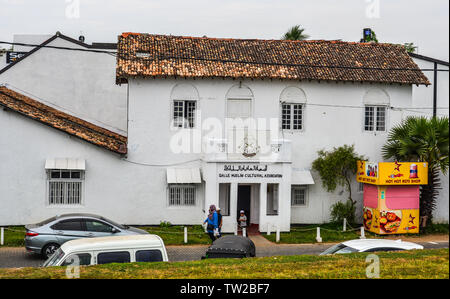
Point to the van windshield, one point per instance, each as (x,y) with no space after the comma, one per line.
(54,259)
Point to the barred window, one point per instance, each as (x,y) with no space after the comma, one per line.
(298,196)
(375,118)
(292,116)
(65,187)
(184,113)
(182,195)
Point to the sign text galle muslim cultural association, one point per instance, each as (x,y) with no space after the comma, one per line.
(248,171)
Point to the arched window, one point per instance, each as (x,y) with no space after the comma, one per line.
(376,101)
(239,102)
(184,98)
(293,100)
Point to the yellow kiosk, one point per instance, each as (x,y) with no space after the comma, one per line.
(391,195)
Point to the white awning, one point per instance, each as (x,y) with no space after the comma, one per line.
(65,163)
(302,177)
(183,176)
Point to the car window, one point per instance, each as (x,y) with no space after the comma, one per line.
(70,224)
(154,255)
(383,249)
(339,248)
(79,259)
(113,257)
(97,226)
(114,223)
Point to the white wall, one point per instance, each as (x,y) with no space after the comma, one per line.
(325,127)
(79,83)
(136,193)
(122,191)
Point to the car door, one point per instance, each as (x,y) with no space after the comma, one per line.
(69,229)
(97,228)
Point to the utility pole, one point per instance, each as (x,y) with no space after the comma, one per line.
(435,90)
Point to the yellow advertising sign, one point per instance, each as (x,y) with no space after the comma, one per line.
(391,222)
(392,173)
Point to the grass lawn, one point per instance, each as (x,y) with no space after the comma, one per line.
(333,233)
(393,265)
(14,236)
(172,235)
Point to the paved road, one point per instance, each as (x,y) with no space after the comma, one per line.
(18,257)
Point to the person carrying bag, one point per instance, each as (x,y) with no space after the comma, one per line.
(212,223)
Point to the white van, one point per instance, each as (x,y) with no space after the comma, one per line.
(104,250)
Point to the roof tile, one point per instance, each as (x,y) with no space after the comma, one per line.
(62,121)
(172,56)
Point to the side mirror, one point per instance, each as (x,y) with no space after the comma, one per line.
(114,230)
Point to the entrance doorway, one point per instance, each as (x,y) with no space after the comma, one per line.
(243,201)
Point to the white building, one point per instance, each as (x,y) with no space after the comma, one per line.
(78,82)
(179,156)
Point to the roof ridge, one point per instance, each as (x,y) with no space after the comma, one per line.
(128,34)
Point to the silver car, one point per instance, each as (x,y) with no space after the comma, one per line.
(46,237)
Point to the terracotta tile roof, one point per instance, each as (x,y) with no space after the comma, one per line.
(62,121)
(146,55)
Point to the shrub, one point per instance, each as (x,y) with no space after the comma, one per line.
(341,210)
(165,224)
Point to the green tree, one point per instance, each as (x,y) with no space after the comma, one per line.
(337,168)
(421,139)
(410,48)
(295,33)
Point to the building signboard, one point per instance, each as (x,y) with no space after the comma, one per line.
(392,173)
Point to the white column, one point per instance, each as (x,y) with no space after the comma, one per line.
(263,206)
(233,204)
(211,186)
(285,198)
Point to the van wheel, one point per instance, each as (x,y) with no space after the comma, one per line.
(49,249)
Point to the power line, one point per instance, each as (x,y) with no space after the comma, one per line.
(160,165)
(58,48)
(162,57)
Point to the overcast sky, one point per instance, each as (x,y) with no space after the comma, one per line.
(424,22)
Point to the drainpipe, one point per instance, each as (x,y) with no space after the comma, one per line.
(435,90)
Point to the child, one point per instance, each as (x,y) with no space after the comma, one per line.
(242,220)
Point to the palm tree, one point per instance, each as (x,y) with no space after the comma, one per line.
(295,33)
(423,140)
